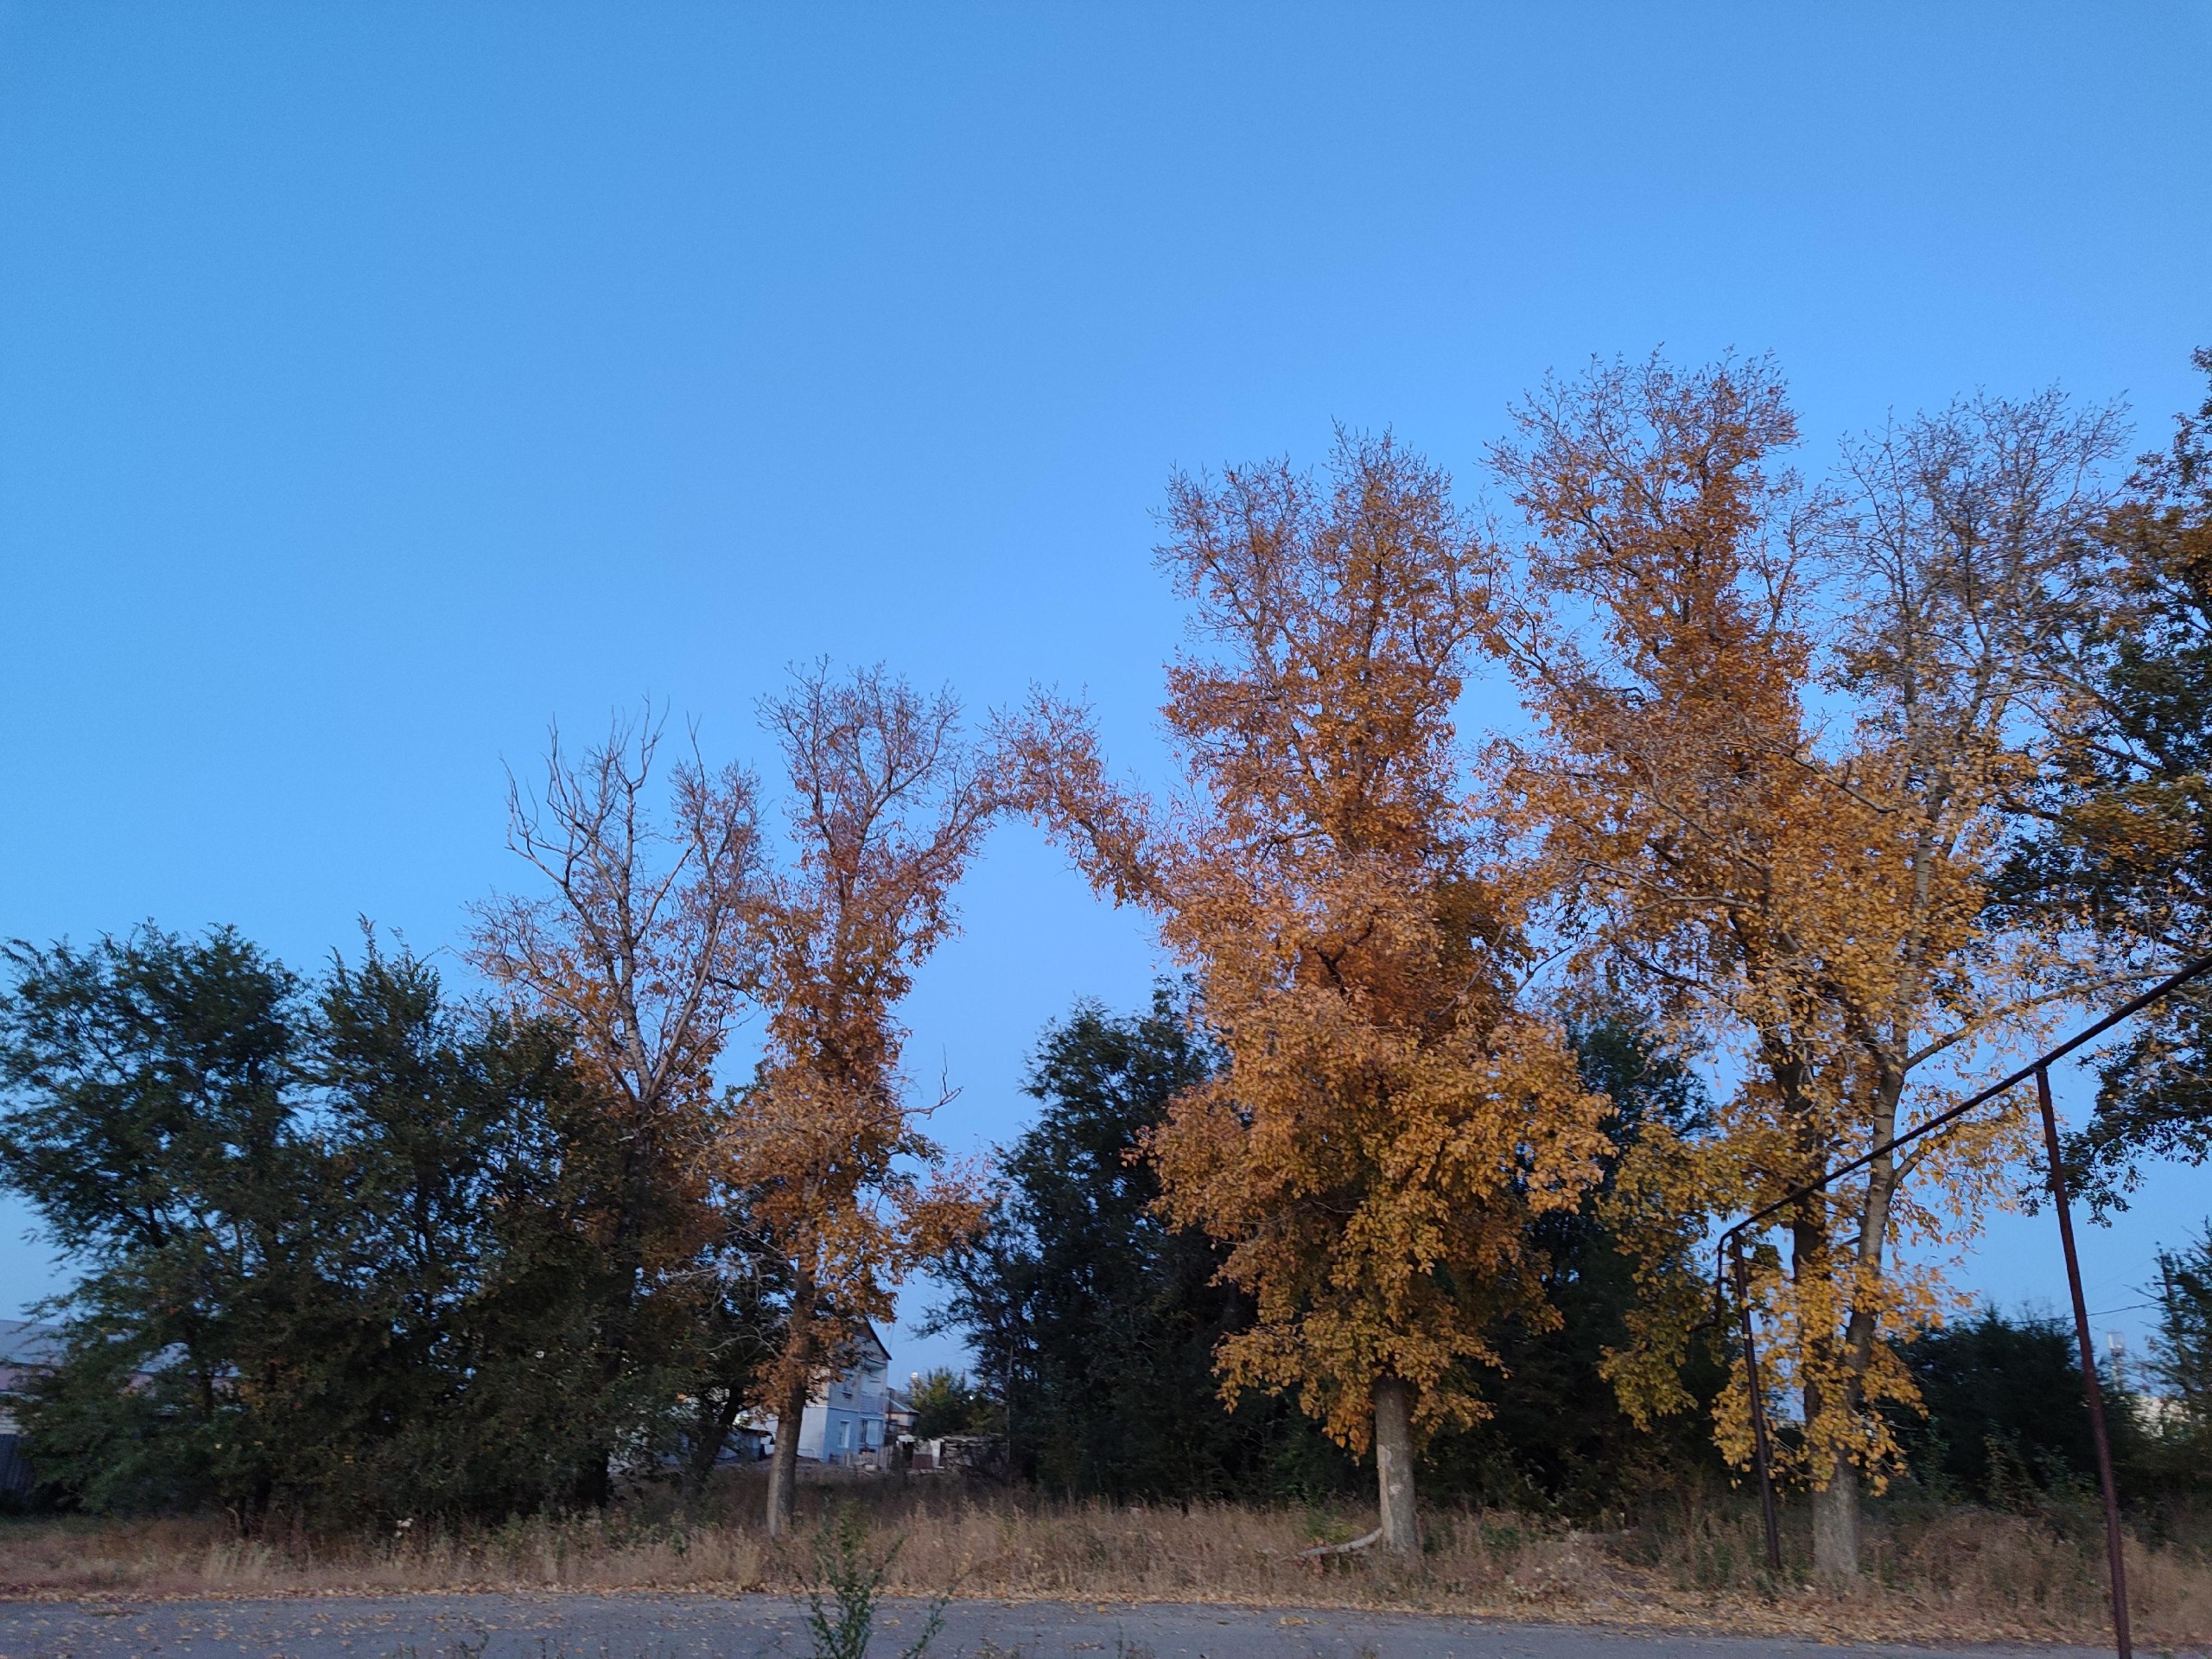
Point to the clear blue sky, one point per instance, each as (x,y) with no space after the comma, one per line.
(378,383)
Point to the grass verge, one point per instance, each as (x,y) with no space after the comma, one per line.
(1934,1572)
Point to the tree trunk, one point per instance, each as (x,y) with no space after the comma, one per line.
(1394,1463)
(594,1485)
(717,1414)
(1835,1525)
(783,1468)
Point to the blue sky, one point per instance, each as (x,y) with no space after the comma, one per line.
(379,383)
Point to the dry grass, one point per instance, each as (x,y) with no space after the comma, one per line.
(1937,1574)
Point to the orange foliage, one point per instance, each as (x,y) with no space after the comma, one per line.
(1815,898)
(887,811)
(1389,1117)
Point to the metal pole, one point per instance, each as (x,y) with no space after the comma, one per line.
(2116,1565)
(1759,1455)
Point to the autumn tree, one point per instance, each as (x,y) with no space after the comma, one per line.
(639,950)
(1782,731)
(1096,1318)
(886,808)
(1388,1117)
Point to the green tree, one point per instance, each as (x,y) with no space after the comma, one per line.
(462,1165)
(1094,1316)
(346,1251)
(2005,1417)
(150,1128)
(2180,1367)
(2125,843)
(944,1401)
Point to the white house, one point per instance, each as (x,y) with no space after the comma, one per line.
(844,1419)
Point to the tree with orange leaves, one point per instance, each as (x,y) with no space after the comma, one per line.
(630,953)
(1389,1117)
(1814,896)
(886,809)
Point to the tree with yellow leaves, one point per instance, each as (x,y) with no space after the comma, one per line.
(1784,730)
(1389,1117)
(886,809)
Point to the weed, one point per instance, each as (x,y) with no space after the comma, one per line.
(459,1648)
(841,1620)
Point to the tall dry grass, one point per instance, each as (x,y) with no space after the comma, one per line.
(1932,1571)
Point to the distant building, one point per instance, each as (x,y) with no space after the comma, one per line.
(898,1412)
(971,1454)
(845,1421)
(848,1420)
(25,1348)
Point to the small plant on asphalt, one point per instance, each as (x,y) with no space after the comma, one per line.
(459,1648)
(846,1586)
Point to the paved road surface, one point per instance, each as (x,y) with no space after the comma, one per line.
(704,1627)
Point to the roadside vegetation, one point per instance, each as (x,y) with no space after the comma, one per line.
(1937,1571)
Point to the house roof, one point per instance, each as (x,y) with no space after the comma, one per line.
(25,1343)
(868,1339)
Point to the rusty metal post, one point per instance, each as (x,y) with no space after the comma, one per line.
(2039,1068)
(2115,1565)
(1759,1453)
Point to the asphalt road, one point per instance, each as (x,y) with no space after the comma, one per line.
(696,1627)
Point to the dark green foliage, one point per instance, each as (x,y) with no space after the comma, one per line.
(154,1133)
(718,1324)
(1557,1437)
(2178,1450)
(1098,1316)
(2181,1355)
(461,1165)
(344,1253)
(152,1075)
(945,1403)
(2125,846)
(2006,1421)
(2154,1102)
